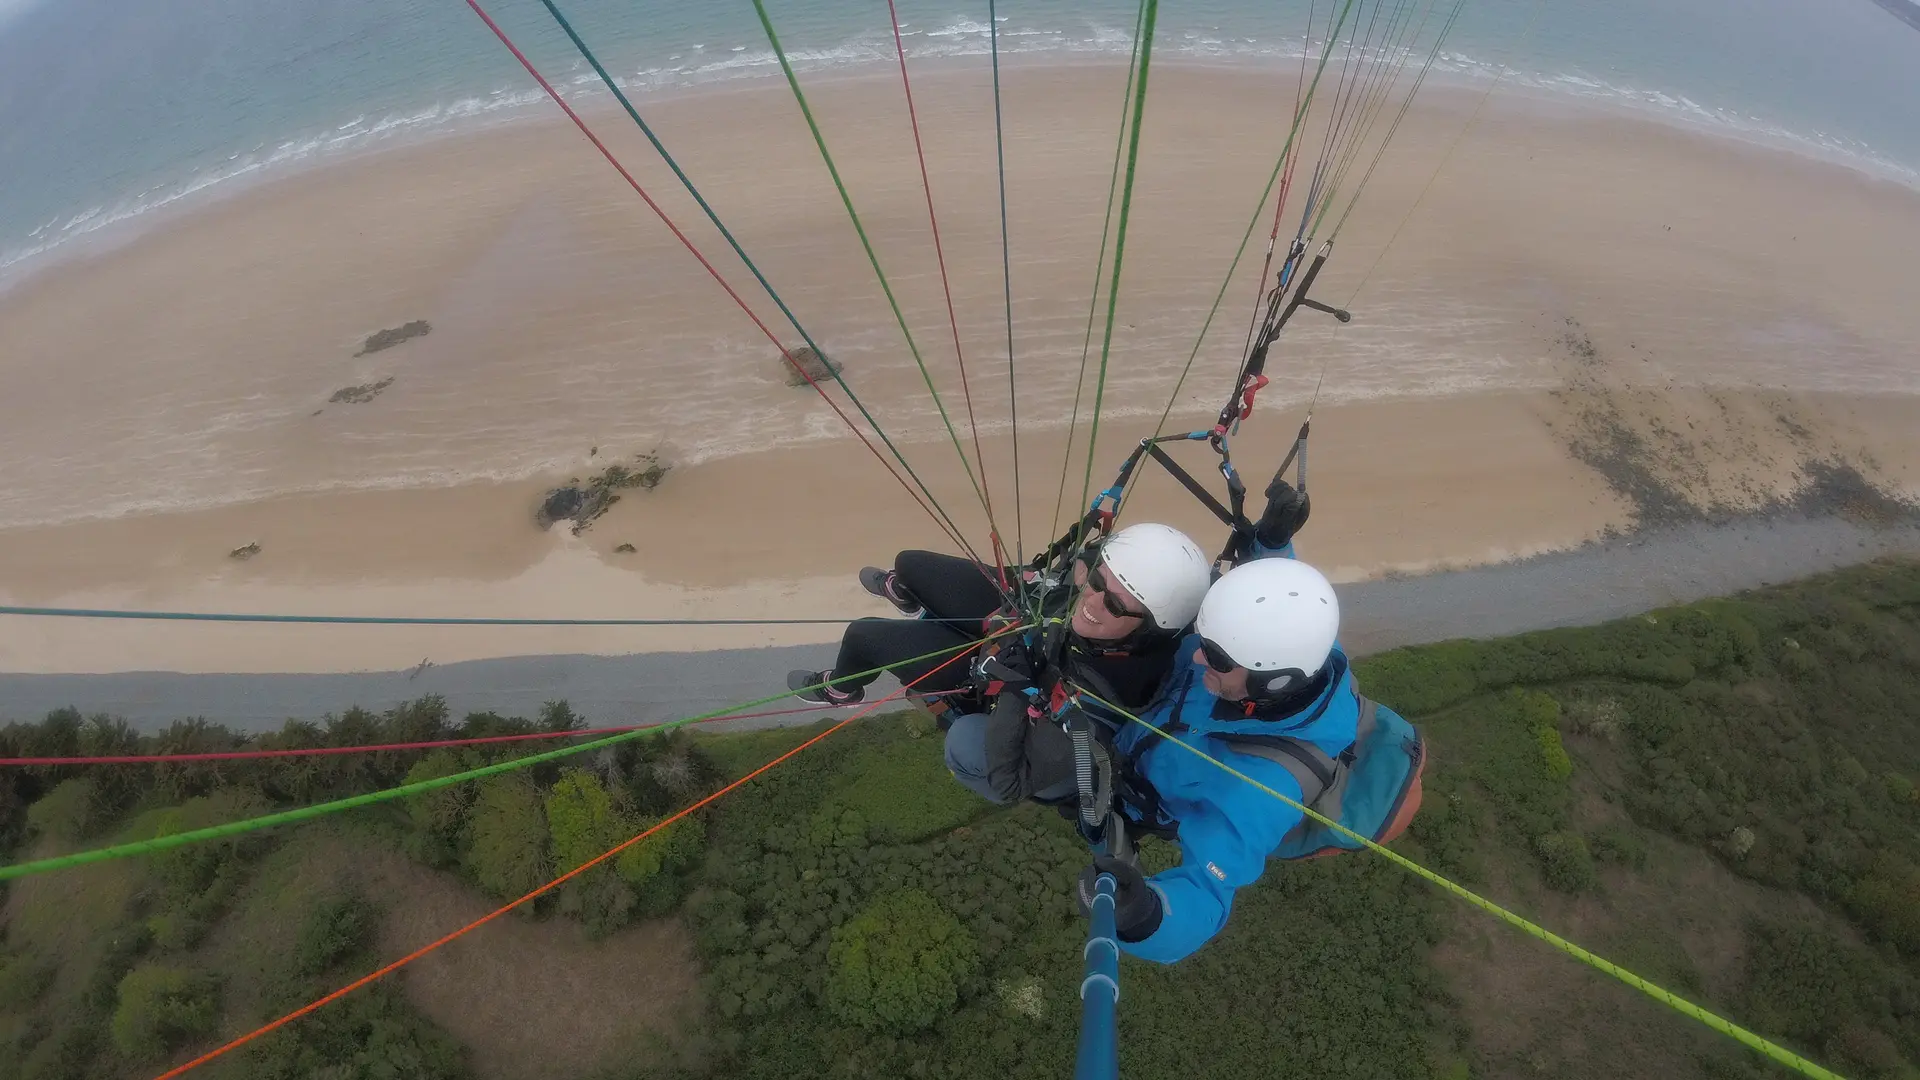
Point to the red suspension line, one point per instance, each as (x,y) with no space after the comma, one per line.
(364,980)
(689,245)
(953,320)
(328,751)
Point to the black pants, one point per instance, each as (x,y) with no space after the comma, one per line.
(949,587)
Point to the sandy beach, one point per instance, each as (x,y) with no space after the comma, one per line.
(1589,323)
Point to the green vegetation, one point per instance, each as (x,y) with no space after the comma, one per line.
(509,828)
(115,968)
(371,1035)
(898,966)
(160,1008)
(1722,797)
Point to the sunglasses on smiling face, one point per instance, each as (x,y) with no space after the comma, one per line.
(1087,573)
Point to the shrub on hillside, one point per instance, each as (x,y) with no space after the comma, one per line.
(1522,764)
(899,965)
(582,824)
(66,814)
(1806,984)
(1887,899)
(656,868)
(179,781)
(585,821)
(116,789)
(1667,648)
(508,855)
(1621,846)
(23,979)
(195,882)
(333,931)
(162,1007)
(1565,862)
(439,817)
(373,1034)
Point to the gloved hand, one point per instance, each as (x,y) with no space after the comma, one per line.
(1286,512)
(1136,908)
(1009,667)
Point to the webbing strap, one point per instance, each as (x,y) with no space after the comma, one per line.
(1312,769)
(1187,481)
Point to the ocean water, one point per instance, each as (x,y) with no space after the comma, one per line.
(111,110)
(112,113)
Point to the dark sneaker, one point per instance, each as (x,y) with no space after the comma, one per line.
(884,585)
(812,686)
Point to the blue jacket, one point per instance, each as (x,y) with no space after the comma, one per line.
(1227,827)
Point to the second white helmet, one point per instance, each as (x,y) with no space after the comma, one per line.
(1162,568)
(1275,615)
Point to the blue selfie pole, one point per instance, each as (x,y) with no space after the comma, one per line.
(1099,1057)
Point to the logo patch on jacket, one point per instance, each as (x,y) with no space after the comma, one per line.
(1216,872)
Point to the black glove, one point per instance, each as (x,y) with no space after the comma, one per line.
(1286,512)
(1010,667)
(1136,908)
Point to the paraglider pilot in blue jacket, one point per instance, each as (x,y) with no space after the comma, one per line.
(1247,669)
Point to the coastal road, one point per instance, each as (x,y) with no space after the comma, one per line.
(1591,584)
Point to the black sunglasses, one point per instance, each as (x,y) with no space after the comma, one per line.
(1091,560)
(1217,657)
(1259,682)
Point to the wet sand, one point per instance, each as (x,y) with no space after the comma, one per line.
(1572,284)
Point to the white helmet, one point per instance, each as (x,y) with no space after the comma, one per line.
(1161,568)
(1275,616)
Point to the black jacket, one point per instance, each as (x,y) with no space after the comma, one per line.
(1026,753)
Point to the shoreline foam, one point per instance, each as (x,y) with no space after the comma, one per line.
(330,144)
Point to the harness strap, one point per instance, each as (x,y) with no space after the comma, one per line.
(1310,766)
(1206,498)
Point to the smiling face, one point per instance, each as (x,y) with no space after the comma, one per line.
(1103,611)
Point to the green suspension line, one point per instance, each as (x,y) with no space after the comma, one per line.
(1259,212)
(727,234)
(1120,235)
(306,813)
(819,140)
(1099,266)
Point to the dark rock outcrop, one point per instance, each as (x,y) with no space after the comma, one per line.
(805,359)
(561,504)
(359,395)
(387,339)
(581,503)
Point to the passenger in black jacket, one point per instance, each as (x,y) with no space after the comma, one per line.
(1130,601)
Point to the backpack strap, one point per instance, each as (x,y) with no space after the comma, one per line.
(1310,766)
